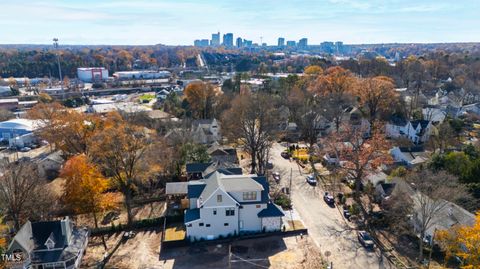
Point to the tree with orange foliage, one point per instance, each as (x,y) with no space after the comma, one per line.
(335,87)
(201,98)
(463,242)
(120,149)
(68,130)
(376,95)
(84,188)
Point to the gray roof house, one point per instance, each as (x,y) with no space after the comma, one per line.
(223,205)
(201,170)
(205,131)
(49,244)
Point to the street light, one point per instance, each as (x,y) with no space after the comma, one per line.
(55,46)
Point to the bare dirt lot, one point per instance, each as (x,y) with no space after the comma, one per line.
(143,252)
(271,252)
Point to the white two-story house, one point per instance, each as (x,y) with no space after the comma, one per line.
(227,205)
(417,131)
(206,131)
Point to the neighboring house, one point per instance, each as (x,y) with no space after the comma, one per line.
(201,170)
(409,156)
(357,121)
(49,244)
(448,215)
(223,154)
(383,191)
(226,205)
(206,131)
(50,165)
(396,127)
(417,131)
(435,115)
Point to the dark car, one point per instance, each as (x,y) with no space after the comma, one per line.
(276,176)
(285,155)
(328,198)
(365,239)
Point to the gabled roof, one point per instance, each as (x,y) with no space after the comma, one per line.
(197,167)
(423,124)
(192,215)
(272,210)
(195,123)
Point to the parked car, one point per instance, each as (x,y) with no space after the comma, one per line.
(347,214)
(285,155)
(276,176)
(25,149)
(269,164)
(365,239)
(328,198)
(311,180)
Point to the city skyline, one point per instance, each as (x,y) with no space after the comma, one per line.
(172,23)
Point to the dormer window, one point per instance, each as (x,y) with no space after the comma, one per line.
(50,243)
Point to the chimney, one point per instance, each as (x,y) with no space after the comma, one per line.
(66,225)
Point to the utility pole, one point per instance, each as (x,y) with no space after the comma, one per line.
(55,45)
(229,256)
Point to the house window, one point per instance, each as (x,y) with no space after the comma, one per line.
(258,206)
(200,224)
(189,225)
(219,198)
(225,224)
(251,195)
(208,225)
(230,212)
(214,212)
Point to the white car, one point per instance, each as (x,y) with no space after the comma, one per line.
(311,180)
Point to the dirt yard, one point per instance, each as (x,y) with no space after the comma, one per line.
(143,252)
(139,252)
(272,252)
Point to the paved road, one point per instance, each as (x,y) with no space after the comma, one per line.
(326,226)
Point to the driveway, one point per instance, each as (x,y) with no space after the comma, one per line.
(335,238)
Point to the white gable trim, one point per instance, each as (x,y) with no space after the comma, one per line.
(214,194)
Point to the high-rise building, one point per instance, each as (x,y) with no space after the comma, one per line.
(339,47)
(228,40)
(328,47)
(247,43)
(291,43)
(215,42)
(303,43)
(281,42)
(239,42)
(201,43)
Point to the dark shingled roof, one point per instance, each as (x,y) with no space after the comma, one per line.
(192,215)
(388,188)
(423,123)
(197,167)
(42,230)
(272,210)
(195,190)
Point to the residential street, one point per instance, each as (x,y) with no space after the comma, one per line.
(336,240)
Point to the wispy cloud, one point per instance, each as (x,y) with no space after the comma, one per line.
(179,22)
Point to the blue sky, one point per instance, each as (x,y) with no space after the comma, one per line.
(175,22)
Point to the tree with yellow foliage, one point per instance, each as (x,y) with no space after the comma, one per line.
(462,242)
(84,188)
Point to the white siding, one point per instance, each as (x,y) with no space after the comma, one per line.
(249,217)
(272,224)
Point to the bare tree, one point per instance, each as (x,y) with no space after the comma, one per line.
(431,195)
(252,121)
(20,188)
